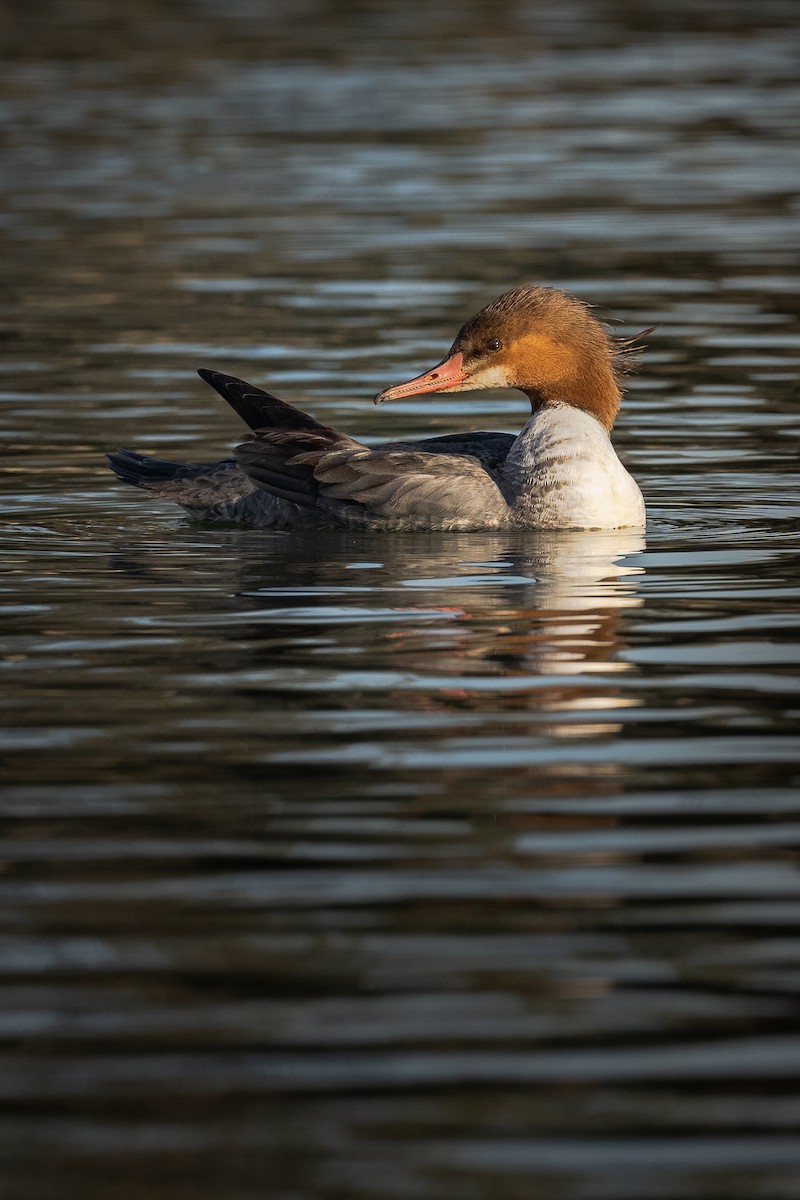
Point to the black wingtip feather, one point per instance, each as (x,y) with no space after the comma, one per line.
(257,408)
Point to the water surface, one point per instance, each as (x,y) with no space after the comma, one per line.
(339,864)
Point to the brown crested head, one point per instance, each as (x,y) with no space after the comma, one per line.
(541,341)
(548,345)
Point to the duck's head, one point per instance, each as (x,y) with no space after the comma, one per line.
(538,340)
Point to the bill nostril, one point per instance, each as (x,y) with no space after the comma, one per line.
(434,374)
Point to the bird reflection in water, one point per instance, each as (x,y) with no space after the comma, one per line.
(538,614)
(492,622)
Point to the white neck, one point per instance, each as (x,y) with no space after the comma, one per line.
(563,473)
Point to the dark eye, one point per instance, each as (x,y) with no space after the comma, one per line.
(495,344)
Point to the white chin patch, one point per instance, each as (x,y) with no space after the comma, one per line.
(487,377)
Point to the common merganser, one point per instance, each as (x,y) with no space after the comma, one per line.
(560,472)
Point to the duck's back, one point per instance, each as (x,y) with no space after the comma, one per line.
(490,449)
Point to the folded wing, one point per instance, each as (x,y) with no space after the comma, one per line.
(386,487)
(296,458)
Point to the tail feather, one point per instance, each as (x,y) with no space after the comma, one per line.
(151,473)
(216,488)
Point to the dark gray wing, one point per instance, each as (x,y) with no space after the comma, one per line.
(408,489)
(282,433)
(281,461)
(413,488)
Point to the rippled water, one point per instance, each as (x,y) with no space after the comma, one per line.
(410,866)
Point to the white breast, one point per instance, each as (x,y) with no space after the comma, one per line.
(563,473)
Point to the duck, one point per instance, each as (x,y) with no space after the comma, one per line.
(560,471)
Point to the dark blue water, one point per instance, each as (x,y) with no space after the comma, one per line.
(342,865)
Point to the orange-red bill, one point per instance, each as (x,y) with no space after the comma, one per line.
(447,376)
